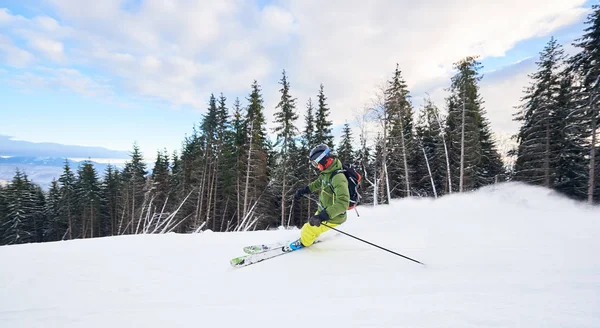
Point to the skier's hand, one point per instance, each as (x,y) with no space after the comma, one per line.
(302,191)
(316,220)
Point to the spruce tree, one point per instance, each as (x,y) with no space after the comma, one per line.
(285,131)
(306,171)
(586,65)
(87,189)
(346,149)
(537,156)
(322,122)
(570,144)
(134,183)
(18,226)
(474,158)
(432,158)
(54,228)
(111,196)
(256,177)
(161,180)
(3,210)
(239,133)
(68,200)
(400,139)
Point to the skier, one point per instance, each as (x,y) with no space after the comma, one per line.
(334,196)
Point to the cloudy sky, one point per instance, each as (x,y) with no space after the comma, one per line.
(113,72)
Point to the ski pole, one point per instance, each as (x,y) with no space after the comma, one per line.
(364,241)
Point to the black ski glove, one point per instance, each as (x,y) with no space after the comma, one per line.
(316,220)
(302,191)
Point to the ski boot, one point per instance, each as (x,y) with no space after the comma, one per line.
(296,245)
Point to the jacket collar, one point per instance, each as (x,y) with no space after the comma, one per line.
(336,165)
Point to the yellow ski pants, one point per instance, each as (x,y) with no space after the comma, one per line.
(308,233)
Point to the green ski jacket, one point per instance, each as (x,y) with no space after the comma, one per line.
(334,196)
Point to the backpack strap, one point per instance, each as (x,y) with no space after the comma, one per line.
(331,178)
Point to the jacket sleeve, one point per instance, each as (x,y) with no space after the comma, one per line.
(342,196)
(313,186)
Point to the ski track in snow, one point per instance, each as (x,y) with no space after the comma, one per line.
(504,256)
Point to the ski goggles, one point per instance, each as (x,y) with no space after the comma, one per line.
(316,161)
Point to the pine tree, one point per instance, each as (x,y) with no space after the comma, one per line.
(346,149)
(401,145)
(537,156)
(68,200)
(285,131)
(322,123)
(432,157)
(87,189)
(570,143)
(256,175)
(19,225)
(206,187)
(3,210)
(586,65)
(222,174)
(474,159)
(54,229)
(111,196)
(239,134)
(134,183)
(305,170)
(161,181)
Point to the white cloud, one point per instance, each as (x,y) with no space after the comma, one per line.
(354,49)
(13,55)
(180,51)
(62,79)
(50,48)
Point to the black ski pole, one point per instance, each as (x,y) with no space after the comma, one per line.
(364,241)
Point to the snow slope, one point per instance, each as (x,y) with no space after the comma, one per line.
(504,256)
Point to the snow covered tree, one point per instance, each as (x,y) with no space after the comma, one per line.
(18,226)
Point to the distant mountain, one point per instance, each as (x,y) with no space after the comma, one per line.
(10,147)
(42,170)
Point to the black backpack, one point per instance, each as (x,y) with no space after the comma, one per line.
(354,179)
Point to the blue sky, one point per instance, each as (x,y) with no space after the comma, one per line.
(119,72)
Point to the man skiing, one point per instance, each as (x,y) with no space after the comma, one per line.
(334,196)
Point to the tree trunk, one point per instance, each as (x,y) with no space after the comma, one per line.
(405,162)
(248,171)
(462,147)
(447,156)
(429,170)
(547,155)
(591,182)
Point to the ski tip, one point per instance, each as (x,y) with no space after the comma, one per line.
(236,262)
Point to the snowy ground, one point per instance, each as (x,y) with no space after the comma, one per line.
(507,256)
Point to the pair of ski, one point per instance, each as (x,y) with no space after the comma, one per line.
(261,252)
